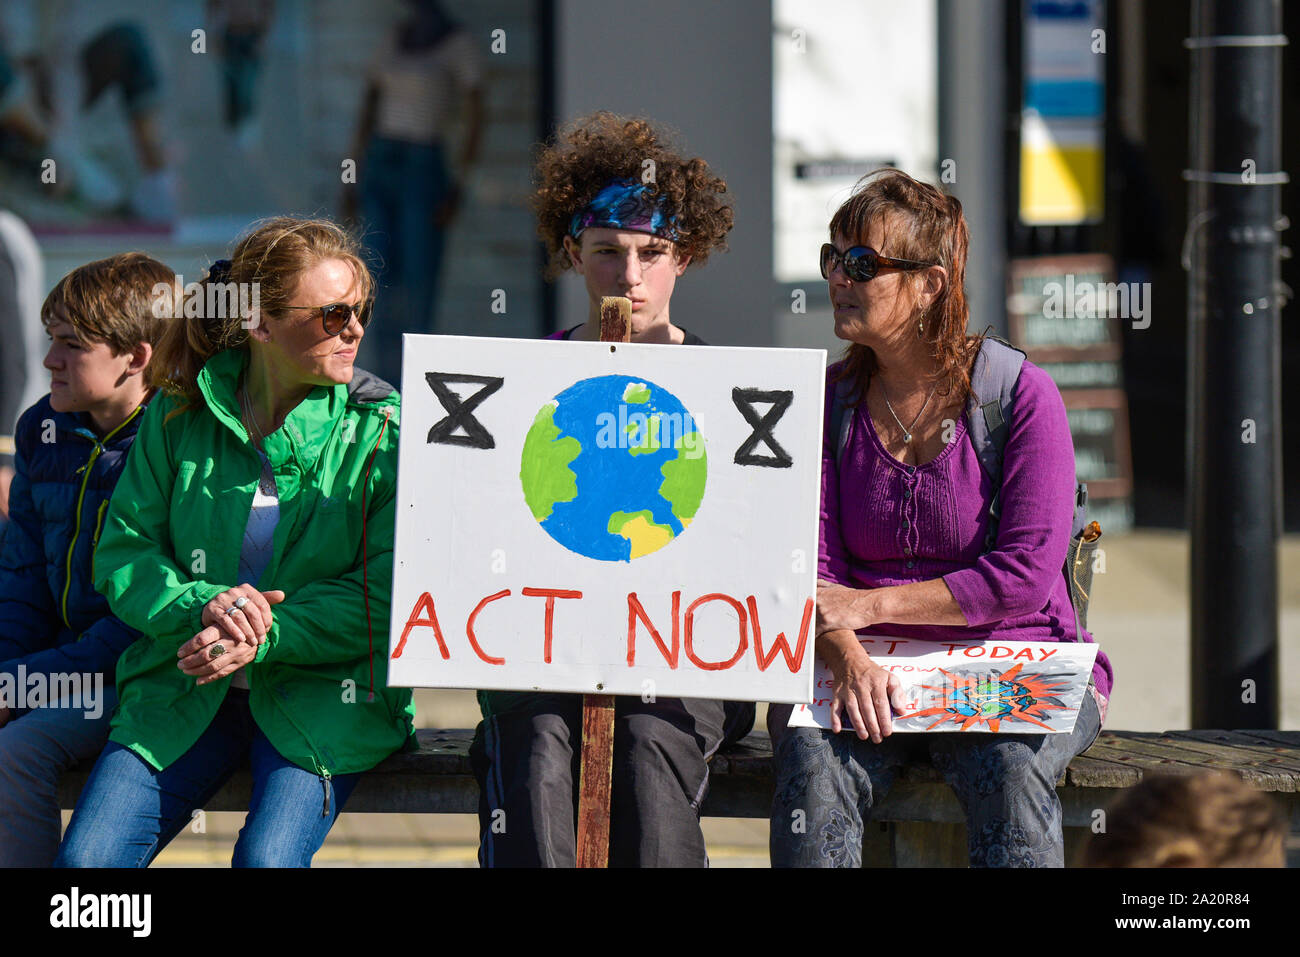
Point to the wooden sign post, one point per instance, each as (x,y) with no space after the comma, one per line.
(595,777)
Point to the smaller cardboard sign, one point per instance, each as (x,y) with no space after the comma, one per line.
(999,687)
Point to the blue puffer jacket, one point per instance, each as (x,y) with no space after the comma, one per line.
(51,617)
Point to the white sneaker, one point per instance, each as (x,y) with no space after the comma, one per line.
(87,178)
(247,135)
(154,198)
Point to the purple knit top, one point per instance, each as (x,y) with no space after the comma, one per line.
(886,523)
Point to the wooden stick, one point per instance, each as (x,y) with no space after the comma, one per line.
(615,319)
(597,769)
(595,779)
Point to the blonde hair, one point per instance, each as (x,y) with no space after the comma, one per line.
(1197,820)
(118,301)
(273,255)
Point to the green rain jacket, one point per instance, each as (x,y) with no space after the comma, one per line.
(171,542)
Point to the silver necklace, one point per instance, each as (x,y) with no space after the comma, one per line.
(247,404)
(907,429)
(266,482)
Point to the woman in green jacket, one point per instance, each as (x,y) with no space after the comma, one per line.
(250,540)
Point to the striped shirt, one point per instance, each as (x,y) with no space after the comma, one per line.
(419,90)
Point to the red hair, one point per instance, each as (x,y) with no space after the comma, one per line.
(927,225)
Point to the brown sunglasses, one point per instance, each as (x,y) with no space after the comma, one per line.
(336,316)
(861,263)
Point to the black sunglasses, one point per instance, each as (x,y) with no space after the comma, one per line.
(336,316)
(861,263)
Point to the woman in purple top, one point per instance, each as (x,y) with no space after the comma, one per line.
(904,517)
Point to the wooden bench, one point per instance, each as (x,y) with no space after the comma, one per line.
(918,824)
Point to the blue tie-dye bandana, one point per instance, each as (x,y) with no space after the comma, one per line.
(624,204)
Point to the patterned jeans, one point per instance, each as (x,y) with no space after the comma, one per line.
(1006,784)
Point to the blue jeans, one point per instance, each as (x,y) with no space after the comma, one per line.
(401,185)
(128,812)
(242,61)
(35,749)
(828,783)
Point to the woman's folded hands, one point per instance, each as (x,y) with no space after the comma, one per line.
(236,623)
(242,612)
(210,655)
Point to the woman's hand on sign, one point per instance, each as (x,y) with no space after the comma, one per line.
(863,690)
(195,656)
(843,608)
(248,623)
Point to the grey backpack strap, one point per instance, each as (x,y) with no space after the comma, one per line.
(988,416)
(841,417)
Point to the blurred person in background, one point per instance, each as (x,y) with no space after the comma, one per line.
(48,79)
(424,71)
(1194,820)
(22,381)
(241,27)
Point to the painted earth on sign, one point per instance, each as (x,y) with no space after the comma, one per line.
(614,468)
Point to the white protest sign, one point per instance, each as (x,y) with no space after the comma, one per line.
(1007,687)
(607,518)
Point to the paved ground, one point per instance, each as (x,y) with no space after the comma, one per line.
(1139,613)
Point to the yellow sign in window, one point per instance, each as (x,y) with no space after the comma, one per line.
(1061,184)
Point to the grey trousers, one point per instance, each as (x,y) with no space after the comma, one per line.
(827,784)
(526,758)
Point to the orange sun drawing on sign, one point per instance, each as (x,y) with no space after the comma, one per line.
(970,700)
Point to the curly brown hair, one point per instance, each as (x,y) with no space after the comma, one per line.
(592,151)
(927,225)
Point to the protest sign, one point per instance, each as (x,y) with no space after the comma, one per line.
(607,518)
(1008,687)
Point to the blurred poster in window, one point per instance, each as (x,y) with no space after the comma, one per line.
(1063,118)
(855,87)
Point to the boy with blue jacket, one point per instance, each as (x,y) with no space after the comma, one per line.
(59,643)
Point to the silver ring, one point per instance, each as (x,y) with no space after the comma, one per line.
(216,651)
(240,602)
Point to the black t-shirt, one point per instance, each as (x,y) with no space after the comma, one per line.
(691,339)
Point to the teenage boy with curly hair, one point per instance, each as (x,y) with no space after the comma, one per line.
(620,206)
